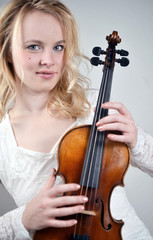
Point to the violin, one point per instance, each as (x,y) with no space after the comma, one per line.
(86,156)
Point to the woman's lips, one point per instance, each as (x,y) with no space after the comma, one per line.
(46,74)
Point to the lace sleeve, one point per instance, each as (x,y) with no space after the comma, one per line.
(11,227)
(142,154)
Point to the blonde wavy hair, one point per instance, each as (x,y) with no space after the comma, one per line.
(69,96)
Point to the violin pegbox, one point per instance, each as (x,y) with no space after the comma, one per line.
(110,59)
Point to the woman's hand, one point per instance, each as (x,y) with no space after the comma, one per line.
(121,121)
(42,211)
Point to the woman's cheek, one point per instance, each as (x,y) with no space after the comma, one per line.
(29,61)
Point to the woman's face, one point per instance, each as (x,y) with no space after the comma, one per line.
(38,53)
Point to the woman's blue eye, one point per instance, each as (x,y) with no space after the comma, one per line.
(34,47)
(59,47)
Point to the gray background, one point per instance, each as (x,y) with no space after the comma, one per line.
(132,85)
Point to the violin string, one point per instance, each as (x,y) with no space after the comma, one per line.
(97,160)
(105,97)
(89,147)
(86,189)
(94,135)
(83,182)
(101,153)
(102,135)
(102,139)
(81,191)
(94,132)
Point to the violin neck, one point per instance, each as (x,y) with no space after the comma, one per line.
(104,94)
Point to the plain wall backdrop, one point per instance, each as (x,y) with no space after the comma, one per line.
(132,85)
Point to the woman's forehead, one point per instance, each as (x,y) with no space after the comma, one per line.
(39,25)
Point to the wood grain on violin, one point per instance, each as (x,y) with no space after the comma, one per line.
(87,157)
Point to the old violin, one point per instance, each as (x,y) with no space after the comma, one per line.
(87,157)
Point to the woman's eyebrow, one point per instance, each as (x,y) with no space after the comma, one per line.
(34,41)
(41,42)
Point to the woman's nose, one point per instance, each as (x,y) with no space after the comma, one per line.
(47,59)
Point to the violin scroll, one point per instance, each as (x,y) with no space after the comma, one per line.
(113,38)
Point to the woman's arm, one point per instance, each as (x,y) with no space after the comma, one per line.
(11,226)
(142,153)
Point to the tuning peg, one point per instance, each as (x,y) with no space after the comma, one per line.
(96,61)
(122,52)
(123,61)
(97,51)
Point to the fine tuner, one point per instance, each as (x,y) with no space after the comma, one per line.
(97,51)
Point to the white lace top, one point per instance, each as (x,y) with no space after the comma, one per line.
(24,172)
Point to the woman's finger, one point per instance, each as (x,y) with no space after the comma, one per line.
(68,200)
(63,188)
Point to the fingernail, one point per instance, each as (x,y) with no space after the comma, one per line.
(85,199)
(100,128)
(75,222)
(97,123)
(105,105)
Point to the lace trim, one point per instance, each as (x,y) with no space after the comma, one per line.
(12,227)
(142,154)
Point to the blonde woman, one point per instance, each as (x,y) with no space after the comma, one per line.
(42,96)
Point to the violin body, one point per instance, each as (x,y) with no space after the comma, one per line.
(96,221)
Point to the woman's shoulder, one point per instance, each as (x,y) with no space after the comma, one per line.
(3,143)
(3,124)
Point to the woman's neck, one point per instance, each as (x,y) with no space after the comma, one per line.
(30,103)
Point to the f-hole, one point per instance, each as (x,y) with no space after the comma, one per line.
(102,215)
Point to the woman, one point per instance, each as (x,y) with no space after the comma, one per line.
(42,96)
